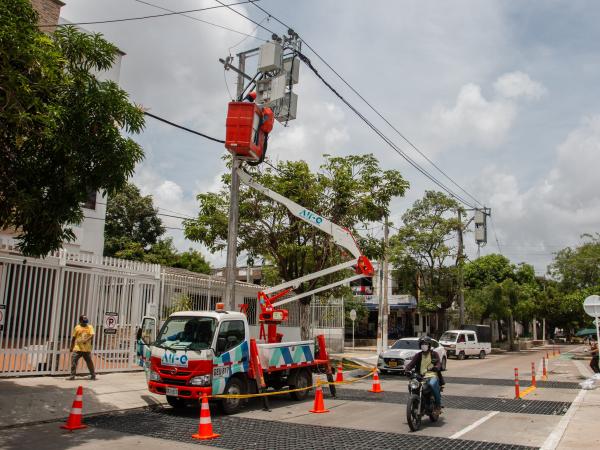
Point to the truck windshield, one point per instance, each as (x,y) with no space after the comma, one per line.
(406,344)
(449,337)
(187,333)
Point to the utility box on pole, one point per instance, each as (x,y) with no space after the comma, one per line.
(480,222)
(269,57)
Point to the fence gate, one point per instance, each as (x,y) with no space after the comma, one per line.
(327,318)
(42,299)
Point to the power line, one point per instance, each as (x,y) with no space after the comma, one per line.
(495,235)
(203,21)
(153,16)
(374,109)
(181,127)
(382,135)
(246,17)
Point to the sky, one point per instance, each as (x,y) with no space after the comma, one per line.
(503,96)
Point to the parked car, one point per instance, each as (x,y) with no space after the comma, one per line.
(464,343)
(394,358)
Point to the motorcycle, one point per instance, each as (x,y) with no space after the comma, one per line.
(420,403)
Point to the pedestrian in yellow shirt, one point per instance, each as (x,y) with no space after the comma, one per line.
(81,346)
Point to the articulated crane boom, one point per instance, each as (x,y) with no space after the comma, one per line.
(341,236)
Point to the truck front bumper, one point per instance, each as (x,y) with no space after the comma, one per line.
(189,392)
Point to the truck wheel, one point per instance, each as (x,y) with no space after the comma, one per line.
(302,379)
(482,354)
(461,355)
(235,386)
(176,402)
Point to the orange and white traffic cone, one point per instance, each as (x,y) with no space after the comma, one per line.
(339,376)
(376,385)
(205,429)
(319,406)
(74,420)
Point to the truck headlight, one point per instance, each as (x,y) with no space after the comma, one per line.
(202,380)
(154,376)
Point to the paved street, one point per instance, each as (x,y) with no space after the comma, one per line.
(480,412)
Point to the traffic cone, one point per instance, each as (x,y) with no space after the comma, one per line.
(74,420)
(205,430)
(339,376)
(319,406)
(376,386)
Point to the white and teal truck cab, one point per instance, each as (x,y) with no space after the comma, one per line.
(211,352)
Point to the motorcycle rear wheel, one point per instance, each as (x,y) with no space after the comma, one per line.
(413,416)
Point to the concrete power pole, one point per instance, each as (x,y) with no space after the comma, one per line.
(234,213)
(461,294)
(384,331)
(380,309)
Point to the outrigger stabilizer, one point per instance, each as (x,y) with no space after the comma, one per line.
(268,299)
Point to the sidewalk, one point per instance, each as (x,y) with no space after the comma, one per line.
(39,399)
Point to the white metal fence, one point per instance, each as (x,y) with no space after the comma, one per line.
(42,299)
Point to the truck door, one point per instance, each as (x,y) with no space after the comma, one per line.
(146,335)
(232,353)
(471,344)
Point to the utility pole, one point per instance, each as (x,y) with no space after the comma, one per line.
(234,206)
(459,260)
(380,309)
(385,283)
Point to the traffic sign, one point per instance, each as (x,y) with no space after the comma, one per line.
(591,305)
(111,319)
(353,315)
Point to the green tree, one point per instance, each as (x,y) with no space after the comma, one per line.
(487,269)
(347,190)
(131,221)
(423,242)
(61,128)
(165,254)
(578,268)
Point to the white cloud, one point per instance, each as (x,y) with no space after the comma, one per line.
(518,84)
(553,213)
(477,120)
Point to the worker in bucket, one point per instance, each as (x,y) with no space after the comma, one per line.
(81,346)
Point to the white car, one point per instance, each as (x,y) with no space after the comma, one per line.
(395,358)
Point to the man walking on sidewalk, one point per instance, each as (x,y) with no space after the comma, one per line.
(81,346)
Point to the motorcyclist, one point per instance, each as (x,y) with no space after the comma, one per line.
(427,363)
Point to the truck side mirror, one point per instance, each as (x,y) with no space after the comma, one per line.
(221,345)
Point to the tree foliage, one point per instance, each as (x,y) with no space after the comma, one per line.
(131,222)
(61,127)
(578,268)
(347,190)
(423,242)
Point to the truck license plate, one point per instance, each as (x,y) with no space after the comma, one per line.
(171,391)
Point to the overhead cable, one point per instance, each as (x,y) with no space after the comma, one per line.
(375,110)
(153,16)
(181,127)
(383,136)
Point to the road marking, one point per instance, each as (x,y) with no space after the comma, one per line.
(473,425)
(556,436)
(526,391)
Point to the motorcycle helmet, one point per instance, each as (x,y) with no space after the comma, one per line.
(425,341)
